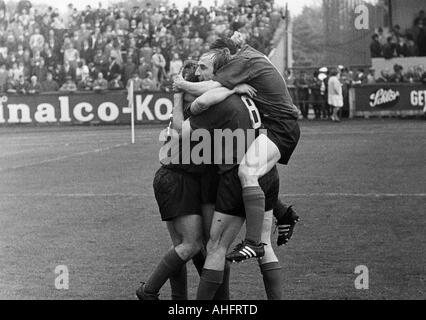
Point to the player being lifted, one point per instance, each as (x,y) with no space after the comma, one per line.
(279,116)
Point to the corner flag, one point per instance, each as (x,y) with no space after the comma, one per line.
(130,99)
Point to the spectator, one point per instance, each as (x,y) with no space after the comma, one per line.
(397,76)
(389,49)
(371,77)
(3,78)
(421,39)
(137,82)
(401,47)
(412,49)
(85,84)
(34,86)
(100,83)
(116,83)
(384,76)
(21,85)
(375,47)
(69,85)
(175,65)
(71,55)
(49,85)
(113,68)
(148,83)
(335,94)
(158,66)
(129,68)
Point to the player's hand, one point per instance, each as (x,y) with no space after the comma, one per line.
(245,88)
(238,39)
(177,83)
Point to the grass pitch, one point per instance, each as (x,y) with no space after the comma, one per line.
(82,197)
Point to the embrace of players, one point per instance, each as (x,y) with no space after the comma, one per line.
(233,87)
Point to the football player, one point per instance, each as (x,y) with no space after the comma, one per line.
(279,117)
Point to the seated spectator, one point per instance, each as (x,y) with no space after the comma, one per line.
(11,85)
(384,76)
(137,82)
(85,84)
(375,47)
(34,86)
(397,76)
(148,83)
(22,85)
(49,85)
(100,83)
(401,47)
(116,83)
(69,85)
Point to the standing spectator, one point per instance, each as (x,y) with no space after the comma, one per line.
(113,68)
(49,85)
(303,94)
(323,77)
(315,86)
(376,47)
(129,68)
(158,64)
(71,55)
(144,68)
(389,49)
(421,39)
(87,52)
(175,65)
(412,49)
(371,77)
(36,41)
(40,70)
(335,94)
(3,77)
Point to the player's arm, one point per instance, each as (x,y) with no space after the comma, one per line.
(194,88)
(215,96)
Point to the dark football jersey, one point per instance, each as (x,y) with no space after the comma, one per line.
(235,112)
(250,66)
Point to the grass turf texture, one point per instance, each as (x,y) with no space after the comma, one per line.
(82,197)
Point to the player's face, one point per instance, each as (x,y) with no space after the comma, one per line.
(205,68)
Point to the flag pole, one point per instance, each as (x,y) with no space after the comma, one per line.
(132,110)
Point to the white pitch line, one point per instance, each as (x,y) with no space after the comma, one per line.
(63,157)
(291,195)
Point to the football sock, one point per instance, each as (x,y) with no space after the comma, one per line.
(254,203)
(210,282)
(280,209)
(223,292)
(179,284)
(272,280)
(170,264)
(198,261)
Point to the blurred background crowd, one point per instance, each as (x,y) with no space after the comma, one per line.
(395,42)
(102,48)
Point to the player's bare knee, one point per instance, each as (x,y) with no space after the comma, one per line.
(247,175)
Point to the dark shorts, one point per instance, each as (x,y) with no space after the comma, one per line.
(209,183)
(229,195)
(285,134)
(177,193)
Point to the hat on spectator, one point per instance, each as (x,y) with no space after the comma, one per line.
(323,70)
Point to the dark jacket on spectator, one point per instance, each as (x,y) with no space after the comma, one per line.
(49,86)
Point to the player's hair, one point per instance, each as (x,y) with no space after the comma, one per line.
(221,57)
(222,43)
(188,70)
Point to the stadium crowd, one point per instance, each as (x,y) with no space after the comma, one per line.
(393,43)
(103,48)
